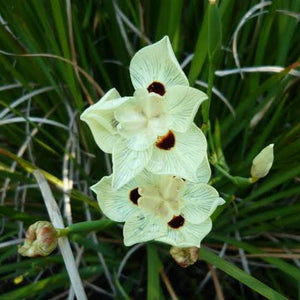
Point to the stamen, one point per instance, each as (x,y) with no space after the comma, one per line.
(166,142)
(134,196)
(114,123)
(176,222)
(156,87)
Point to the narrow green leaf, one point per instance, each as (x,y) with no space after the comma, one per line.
(154,266)
(214,31)
(239,275)
(200,52)
(279,263)
(46,285)
(17,215)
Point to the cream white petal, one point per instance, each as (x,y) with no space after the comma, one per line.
(189,235)
(111,100)
(181,104)
(130,111)
(110,95)
(102,136)
(146,178)
(184,158)
(204,171)
(141,141)
(156,62)
(199,202)
(116,205)
(127,163)
(142,227)
(101,121)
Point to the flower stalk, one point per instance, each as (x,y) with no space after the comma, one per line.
(84,227)
(239,181)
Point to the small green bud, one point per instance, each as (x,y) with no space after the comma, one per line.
(262,163)
(185,256)
(40,240)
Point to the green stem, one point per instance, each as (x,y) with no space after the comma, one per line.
(84,226)
(241,182)
(223,172)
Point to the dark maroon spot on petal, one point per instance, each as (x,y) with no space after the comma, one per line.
(166,142)
(134,196)
(156,87)
(176,222)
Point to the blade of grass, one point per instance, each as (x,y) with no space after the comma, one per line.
(154,266)
(279,263)
(239,275)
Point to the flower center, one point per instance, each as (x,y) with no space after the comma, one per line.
(164,198)
(156,87)
(166,142)
(144,115)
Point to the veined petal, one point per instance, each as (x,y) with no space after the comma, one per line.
(130,112)
(199,202)
(116,205)
(141,141)
(103,137)
(92,115)
(146,178)
(142,227)
(204,171)
(110,95)
(111,100)
(156,63)
(189,235)
(182,104)
(101,121)
(184,158)
(127,163)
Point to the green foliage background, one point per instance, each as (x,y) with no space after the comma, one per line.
(41,98)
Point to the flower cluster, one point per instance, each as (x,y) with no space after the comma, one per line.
(160,167)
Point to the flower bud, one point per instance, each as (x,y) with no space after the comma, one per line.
(185,256)
(41,240)
(262,163)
